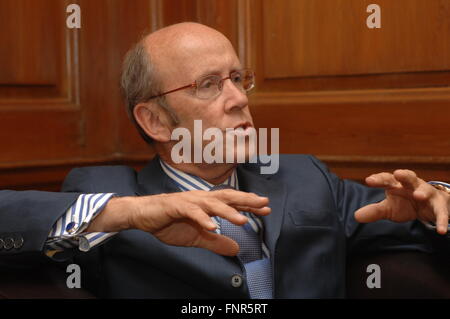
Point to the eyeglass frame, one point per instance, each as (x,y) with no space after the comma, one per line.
(194,84)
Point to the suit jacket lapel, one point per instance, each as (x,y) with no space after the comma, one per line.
(152,180)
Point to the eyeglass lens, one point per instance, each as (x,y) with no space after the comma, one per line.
(210,86)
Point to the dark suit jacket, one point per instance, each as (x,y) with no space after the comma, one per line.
(309,233)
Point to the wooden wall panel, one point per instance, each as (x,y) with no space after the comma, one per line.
(362,100)
(330,37)
(40,114)
(325,45)
(33,40)
(73,119)
(24,27)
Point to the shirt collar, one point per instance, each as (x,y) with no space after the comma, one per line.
(189,182)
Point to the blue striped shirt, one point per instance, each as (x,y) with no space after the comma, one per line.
(68,231)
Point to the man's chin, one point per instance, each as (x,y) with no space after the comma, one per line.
(240,154)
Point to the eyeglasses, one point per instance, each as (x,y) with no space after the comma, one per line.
(210,86)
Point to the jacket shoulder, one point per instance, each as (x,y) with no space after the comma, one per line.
(288,164)
(101,179)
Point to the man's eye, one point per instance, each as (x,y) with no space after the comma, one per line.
(237,78)
(206,84)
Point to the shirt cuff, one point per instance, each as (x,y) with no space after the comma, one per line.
(439,183)
(431,225)
(68,231)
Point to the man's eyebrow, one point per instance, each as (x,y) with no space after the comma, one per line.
(206,73)
(216,72)
(209,72)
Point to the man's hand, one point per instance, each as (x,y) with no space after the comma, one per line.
(182,219)
(407,198)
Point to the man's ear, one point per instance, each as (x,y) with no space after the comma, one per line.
(153,121)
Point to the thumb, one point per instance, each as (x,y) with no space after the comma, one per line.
(218,244)
(371,213)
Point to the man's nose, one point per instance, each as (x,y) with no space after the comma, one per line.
(234,96)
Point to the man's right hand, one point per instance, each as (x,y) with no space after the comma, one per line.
(182,219)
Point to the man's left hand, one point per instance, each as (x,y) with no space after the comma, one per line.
(407,198)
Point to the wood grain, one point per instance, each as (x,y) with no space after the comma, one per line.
(363,100)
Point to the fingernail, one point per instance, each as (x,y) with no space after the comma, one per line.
(370,179)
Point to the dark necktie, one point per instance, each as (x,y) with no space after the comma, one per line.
(257,267)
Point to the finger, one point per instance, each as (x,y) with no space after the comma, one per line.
(234,197)
(384,180)
(371,213)
(441,220)
(217,243)
(215,207)
(200,217)
(407,178)
(257,211)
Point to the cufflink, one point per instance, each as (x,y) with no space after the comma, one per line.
(71,227)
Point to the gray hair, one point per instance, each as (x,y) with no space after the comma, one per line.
(139,82)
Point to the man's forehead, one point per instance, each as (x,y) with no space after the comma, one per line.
(192,48)
(183,33)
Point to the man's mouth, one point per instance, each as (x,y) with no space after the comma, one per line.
(243,126)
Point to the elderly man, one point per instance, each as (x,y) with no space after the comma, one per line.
(197,229)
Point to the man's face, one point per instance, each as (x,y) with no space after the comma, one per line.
(193,58)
